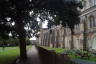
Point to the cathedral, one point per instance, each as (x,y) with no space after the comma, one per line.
(60,37)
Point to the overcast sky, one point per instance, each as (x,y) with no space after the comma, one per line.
(44,25)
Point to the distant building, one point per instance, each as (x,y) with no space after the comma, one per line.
(61,37)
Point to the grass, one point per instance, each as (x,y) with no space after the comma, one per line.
(9,54)
(73,55)
(57,50)
(91,58)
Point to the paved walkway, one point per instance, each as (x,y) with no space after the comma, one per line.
(33,57)
(80,61)
(38,55)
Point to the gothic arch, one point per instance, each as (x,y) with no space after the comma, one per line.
(92,22)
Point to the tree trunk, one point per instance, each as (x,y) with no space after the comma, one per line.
(72,41)
(85,37)
(19,27)
(23,54)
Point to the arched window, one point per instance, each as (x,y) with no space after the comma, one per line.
(92,22)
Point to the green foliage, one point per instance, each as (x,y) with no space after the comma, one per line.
(18,11)
(72,53)
(57,50)
(65,11)
(91,58)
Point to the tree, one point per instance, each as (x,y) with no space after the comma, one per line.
(65,10)
(18,12)
(4,31)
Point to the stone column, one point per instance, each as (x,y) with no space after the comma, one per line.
(45,39)
(53,39)
(85,42)
(41,38)
(57,41)
(48,38)
(64,37)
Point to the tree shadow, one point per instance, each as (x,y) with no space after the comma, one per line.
(50,57)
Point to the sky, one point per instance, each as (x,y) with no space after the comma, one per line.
(33,38)
(44,25)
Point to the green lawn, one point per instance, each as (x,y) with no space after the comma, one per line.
(57,50)
(9,54)
(72,56)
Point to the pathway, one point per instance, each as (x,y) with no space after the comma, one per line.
(38,55)
(81,61)
(33,57)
